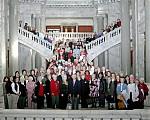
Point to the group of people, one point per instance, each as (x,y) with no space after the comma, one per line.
(41,35)
(107,29)
(69,79)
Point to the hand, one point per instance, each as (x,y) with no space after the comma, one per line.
(69,95)
(47,93)
(78,95)
(52,94)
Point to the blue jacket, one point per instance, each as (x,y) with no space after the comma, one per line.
(118,89)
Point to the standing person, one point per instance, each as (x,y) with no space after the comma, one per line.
(94,92)
(63,92)
(16,92)
(133,93)
(9,92)
(23,95)
(102,90)
(126,81)
(30,86)
(22,78)
(6,90)
(39,92)
(140,103)
(32,72)
(74,90)
(85,90)
(48,92)
(112,92)
(122,94)
(55,90)
(144,87)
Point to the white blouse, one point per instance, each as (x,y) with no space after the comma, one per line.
(133,88)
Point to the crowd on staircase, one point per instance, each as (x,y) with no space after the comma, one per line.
(106,30)
(71,82)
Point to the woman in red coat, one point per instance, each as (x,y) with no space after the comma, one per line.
(54,86)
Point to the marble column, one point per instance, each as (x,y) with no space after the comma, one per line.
(38,23)
(13,34)
(33,20)
(95,23)
(106,52)
(125,37)
(147,28)
(136,47)
(100,24)
(3,46)
(33,53)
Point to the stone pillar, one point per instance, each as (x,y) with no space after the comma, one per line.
(38,23)
(77,27)
(61,28)
(106,52)
(100,27)
(3,46)
(33,53)
(43,62)
(33,20)
(125,37)
(95,23)
(13,34)
(147,28)
(136,47)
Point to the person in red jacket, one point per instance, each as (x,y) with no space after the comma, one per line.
(144,87)
(54,86)
(87,75)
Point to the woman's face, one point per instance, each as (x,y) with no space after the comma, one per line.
(26,77)
(11,78)
(30,78)
(127,78)
(118,78)
(113,76)
(100,76)
(17,74)
(32,72)
(17,80)
(24,72)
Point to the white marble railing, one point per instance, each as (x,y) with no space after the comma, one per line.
(34,42)
(103,43)
(71,35)
(74,114)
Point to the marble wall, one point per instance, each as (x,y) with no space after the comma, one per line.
(25,58)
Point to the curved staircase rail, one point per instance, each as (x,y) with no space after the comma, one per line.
(103,43)
(32,41)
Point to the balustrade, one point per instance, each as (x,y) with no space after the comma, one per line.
(35,38)
(74,115)
(72,36)
(103,43)
(32,41)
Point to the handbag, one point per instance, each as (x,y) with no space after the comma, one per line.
(34,98)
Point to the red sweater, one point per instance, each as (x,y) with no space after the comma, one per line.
(41,90)
(54,88)
(88,77)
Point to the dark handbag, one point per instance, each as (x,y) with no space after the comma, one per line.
(110,99)
(34,98)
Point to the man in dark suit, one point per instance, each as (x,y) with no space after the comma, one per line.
(74,91)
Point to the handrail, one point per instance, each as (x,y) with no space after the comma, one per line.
(103,43)
(35,38)
(31,40)
(71,35)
